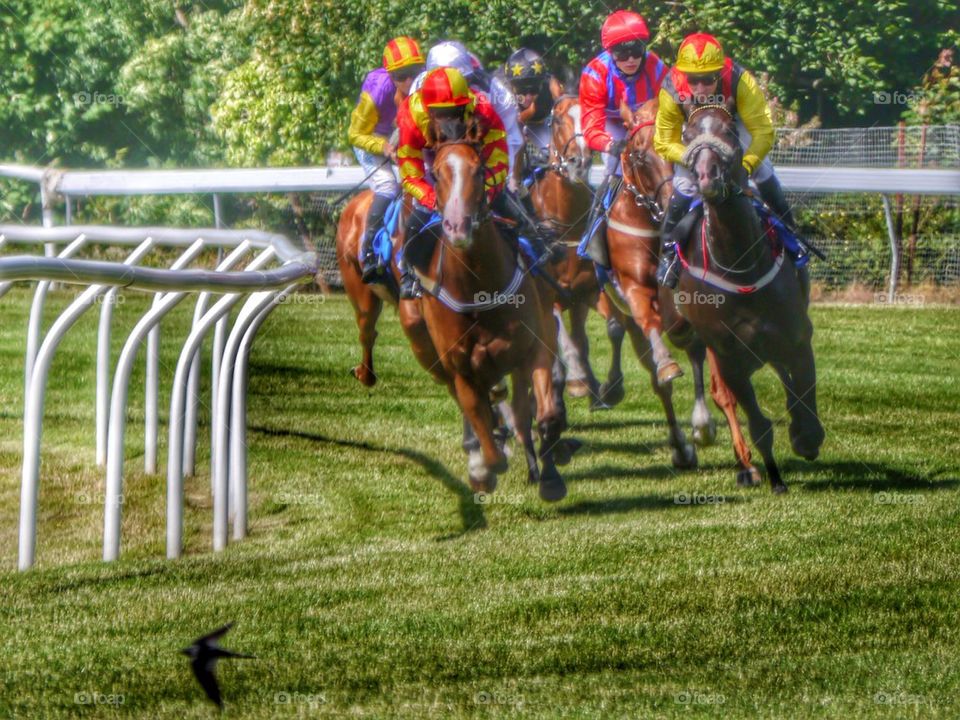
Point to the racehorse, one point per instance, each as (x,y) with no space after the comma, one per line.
(561,197)
(635,245)
(485,319)
(763,317)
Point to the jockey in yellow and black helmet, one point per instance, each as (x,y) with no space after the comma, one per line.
(703,75)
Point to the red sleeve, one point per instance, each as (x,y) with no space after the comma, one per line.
(593,103)
(410,157)
(495,153)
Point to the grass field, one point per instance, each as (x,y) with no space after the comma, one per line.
(374,585)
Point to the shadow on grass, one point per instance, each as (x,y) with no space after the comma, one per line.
(640,502)
(471,512)
(854,475)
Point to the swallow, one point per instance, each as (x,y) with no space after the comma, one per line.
(203,654)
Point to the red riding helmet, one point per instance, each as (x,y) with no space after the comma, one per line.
(623,26)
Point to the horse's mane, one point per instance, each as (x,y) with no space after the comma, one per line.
(474,133)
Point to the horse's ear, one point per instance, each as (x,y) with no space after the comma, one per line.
(626,114)
(475,131)
(557,89)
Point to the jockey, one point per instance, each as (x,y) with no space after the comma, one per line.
(625,72)
(704,76)
(371,124)
(452,53)
(445,95)
(529,78)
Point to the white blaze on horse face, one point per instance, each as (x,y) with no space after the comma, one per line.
(455,219)
(581,142)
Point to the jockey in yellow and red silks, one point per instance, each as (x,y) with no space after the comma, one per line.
(703,75)
(371,125)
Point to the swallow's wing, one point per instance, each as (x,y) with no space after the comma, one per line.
(203,669)
(211,638)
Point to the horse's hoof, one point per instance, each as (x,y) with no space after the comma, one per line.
(779,489)
(705,435)
(499,392)
(578,388)
(807,446)
(366,376)
(565,449)
(552,486)
(611,393)
(685,458)
(668,372)
(484,484)
(499,466)
(749,477)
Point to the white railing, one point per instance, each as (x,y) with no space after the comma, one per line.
(171,286)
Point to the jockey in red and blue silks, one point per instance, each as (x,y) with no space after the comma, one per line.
(624,73)
(371,125)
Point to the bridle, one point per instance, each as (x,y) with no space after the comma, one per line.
(561,165)
(483,210)
(637,158)
(727,152)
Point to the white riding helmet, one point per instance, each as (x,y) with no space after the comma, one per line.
(452,53)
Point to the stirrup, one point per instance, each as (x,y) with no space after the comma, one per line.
(668,271)
(409,286)
(371,270)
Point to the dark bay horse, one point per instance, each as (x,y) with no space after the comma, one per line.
(482,318)
(562,196)
(634,249)
(763,316)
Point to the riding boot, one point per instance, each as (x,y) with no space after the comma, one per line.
(409,286)
(772,193)
(596,244)
(668,272)
(370,264)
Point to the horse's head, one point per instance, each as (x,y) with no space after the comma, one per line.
(714,152)
(459,173)
(649,173)
(568,150)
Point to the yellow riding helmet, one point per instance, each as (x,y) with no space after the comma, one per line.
(402,52)
(700,53)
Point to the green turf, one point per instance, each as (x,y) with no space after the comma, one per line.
(373,585)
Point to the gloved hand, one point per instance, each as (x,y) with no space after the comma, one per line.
(616,147)
(429,200)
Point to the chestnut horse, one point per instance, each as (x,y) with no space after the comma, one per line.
(562,198)
(763,317)
(484,319)
(634,241)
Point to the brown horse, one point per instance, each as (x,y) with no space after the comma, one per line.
(484,319)
(562,196)
(763,315)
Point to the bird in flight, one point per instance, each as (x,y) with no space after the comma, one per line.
(203,654)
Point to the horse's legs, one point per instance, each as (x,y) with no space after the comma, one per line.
(477,411)
(522,415)
(806,430)
(704,426)
(579,340)
(640,299)
(575,378)
(414,327)
(747,475)
(761,429)
(684,454)
(611,392)
(549,421)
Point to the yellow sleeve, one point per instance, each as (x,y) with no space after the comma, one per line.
(755,113)
(363,120)
(667,138)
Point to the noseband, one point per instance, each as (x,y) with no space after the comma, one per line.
(637,158)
